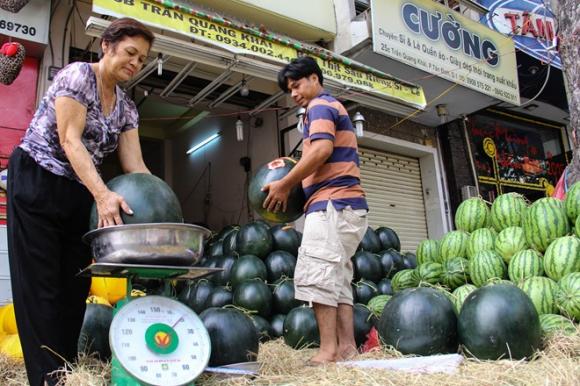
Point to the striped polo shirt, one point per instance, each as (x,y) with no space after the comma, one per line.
(338,179)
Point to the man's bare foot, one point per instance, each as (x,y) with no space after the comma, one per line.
(322,358)
(346,353)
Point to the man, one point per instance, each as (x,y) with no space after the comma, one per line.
(335,208)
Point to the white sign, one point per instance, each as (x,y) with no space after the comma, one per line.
(30,23)
(431,37)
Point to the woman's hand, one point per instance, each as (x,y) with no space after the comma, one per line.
(108,204)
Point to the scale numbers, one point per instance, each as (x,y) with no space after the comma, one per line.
(160,341)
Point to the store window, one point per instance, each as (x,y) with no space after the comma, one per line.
(516,154)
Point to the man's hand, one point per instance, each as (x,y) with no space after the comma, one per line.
(108,204)
(277,198)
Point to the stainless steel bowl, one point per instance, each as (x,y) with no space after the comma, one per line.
(154,244)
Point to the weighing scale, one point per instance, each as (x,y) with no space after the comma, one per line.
(155,340)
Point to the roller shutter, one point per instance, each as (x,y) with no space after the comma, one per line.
(394,192)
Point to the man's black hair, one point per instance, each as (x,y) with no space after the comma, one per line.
(299,68)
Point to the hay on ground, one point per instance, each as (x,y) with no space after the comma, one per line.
(557,364)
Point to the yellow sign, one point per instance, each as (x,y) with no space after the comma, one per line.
(235,40)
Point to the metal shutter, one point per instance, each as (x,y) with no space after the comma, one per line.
(392,184)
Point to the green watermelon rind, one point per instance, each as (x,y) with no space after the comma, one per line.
(507,210)
(544,222)
(554,323)
(541,290)
(482,239)
(472,214)
(510,241)
(525,264)
(562,257)
(568,295)
(485,266)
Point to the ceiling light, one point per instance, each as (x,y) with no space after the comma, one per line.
(359,121)
(239,130)
(244,90)
(204,142)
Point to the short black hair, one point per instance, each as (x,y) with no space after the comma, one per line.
(299,68)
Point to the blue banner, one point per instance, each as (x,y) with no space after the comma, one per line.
(530,23)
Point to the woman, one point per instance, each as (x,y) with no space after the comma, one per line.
(53,181)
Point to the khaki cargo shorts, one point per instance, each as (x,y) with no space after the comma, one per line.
(324,269)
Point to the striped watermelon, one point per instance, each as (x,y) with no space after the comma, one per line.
(507,210)
(405,278)
(568,295)
(577,227)
(377,304)
(562,257)
(525,264)
(510,241)
(482,239)
(572,202)
(453,244)
(552,323)
(459,295)
(544,222)
(429,273)
(455,272)
(471,214)
(486,265)
(542,291)
(427,250)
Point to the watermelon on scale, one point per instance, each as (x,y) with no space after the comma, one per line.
(150,198)
(472,214)
(507,210)
(545,221)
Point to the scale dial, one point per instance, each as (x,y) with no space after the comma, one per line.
(160,341)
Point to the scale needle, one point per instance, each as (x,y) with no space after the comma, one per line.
(177,322)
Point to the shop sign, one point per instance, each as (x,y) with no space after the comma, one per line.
(530,23)
(516,154)
(236,40)
(30,23)
(431,37)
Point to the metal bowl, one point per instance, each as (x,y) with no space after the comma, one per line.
(152,244)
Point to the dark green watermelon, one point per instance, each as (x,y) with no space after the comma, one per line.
(216,249)
(264,328)
(419,321)
(220,296)
(409,260)
(254,239)
(195,295)
(254,295)
(391,261)
(362,318)
(274,171)
(286,238)
(370,242)
(279,264)
(499,321)
(364,290)
(150,198)
(301,329)
(226,263)
(247,267)
(233,336)
(367,266)
(277,323)
(385,287)
(221,235)
(389,238)
(230,243)
(283,300)
(94,336)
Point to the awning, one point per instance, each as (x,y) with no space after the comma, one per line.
(217,42)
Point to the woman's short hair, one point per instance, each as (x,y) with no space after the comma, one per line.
(299,68)
(126,27)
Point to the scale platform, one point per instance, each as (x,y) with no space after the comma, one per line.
(147,271)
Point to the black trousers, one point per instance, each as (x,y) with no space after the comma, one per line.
(47,215)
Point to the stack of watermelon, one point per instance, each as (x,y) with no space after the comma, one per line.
(533,246)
